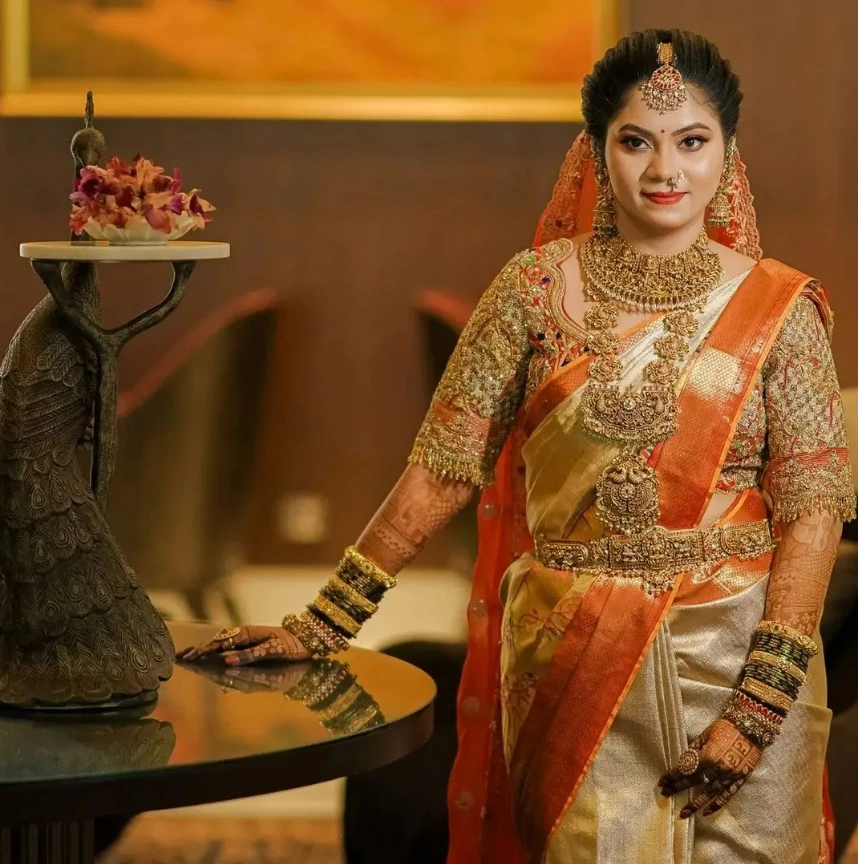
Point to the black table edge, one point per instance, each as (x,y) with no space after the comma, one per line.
(169,787)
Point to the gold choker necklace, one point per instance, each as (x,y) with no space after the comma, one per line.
(613,268)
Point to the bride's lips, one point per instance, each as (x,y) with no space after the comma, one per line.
(665,197)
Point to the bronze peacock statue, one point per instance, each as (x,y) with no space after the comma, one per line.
(77,629)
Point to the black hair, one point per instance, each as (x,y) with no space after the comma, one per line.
(635,57)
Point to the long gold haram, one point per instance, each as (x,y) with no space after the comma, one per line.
(627,495)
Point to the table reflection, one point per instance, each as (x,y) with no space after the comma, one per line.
(328,688)
(82,746)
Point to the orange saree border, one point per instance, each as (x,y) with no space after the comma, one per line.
(745,331)
(588,678)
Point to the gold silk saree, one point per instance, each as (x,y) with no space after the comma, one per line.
(583,684)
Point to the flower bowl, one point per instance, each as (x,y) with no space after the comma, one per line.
(135,204)
(138,234)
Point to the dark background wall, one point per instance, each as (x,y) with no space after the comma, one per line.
(351,221)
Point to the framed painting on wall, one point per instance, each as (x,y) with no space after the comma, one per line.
(310,59)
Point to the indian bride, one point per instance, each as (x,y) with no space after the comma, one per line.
(652,412)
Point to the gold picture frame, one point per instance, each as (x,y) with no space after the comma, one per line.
(23,94)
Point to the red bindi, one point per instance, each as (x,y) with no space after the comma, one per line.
(662,131)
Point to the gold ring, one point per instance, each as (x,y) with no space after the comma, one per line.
(227,634)
(689,762)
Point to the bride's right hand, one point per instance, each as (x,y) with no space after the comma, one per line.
(240,646)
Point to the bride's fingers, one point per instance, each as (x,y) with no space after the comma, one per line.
(706,796)
(271,649)
(723,798)
(224,640)
(194,652)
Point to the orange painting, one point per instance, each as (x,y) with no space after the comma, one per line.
(406,52)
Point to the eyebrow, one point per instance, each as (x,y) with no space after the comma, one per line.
(631,127)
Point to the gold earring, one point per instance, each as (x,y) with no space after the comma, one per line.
(719,206)
(604,217)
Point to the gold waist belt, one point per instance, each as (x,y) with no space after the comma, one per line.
(658,555)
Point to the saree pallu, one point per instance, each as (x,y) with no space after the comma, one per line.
(600,687)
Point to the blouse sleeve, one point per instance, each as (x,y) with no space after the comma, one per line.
(482,388)
(808,467)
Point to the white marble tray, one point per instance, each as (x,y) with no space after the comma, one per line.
(99,250)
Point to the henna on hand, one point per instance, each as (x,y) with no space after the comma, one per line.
(252,645)
(727,759)
(419,505)
(801,571)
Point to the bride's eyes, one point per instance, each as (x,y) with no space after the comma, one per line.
(634,142)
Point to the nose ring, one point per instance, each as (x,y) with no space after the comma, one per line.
(673,182)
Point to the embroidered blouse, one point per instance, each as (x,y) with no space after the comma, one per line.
(790,440)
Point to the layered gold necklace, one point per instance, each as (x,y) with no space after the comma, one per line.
(616,274)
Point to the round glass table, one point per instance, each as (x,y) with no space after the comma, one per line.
(215,734)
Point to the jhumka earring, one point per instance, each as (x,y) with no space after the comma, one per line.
(604,218)
(719,207)
(665,91)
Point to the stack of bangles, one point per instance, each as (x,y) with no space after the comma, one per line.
(771,679)
(349,599)
(331,691)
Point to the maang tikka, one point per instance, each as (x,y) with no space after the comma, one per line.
(665,91)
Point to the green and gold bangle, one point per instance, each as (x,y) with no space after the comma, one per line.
(372,571)
(781,663)
(782,648)
(342,621)
(345,600)
(352,595)
(348,600)
(355,578)
(774,678)
(790,633)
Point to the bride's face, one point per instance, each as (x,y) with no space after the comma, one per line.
(644,150)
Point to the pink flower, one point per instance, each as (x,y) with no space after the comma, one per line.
(158,219)
(161,182)
(124,197)
(118,167)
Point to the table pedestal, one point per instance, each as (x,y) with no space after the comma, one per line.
(48,843)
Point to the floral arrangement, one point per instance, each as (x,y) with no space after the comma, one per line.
(135,202)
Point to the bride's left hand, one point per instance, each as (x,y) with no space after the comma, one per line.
(727,759)
(239,646)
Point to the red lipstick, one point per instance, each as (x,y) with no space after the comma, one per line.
(665,197)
